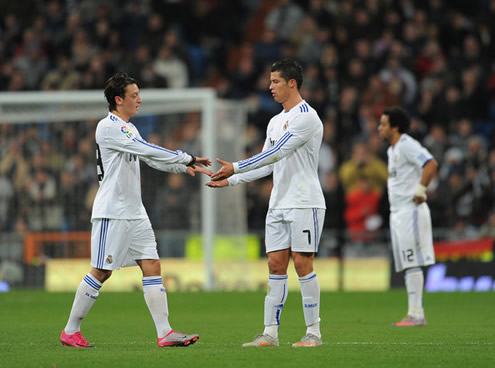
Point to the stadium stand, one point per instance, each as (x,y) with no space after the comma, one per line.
(436,58)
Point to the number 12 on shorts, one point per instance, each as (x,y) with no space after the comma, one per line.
(408,255)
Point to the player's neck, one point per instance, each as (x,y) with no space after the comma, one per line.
(395,139)
(121,115)
(292,101)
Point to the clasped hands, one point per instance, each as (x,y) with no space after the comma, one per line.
(219,178)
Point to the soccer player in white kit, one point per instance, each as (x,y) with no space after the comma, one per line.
(410,169)
(297,208)
(121,233)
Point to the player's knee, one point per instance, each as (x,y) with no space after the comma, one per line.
(101,275)
(277,267)
(303,263)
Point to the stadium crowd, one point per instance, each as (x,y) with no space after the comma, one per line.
(435,58)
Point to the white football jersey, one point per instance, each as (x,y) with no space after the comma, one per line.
(405,166)
(291,150)
(120,147)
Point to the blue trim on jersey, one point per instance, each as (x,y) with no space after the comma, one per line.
(304,108)
(152,282)
(102,242)
(428,160)
(278,277)
(262,155)
(155,146)
(91,283)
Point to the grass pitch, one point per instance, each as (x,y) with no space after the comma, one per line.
(356,330)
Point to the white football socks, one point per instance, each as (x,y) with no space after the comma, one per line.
(155,296)
(274,302)
(414,285)
(310,292)
(86,295)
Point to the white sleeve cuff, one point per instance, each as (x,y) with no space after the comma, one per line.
(233,180)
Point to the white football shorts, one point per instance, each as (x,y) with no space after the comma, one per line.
(296,228)
(119,243)
(412,239)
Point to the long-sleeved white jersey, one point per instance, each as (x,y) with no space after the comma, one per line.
(119,149)
(405,166)
(291,149)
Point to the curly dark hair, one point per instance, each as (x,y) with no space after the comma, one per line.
(398,117)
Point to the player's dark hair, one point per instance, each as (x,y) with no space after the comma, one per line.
(289,69)
(116,86)
(398,117)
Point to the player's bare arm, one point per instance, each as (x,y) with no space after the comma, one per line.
(226,171)
(429,172)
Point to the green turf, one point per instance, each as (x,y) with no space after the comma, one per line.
(356,329)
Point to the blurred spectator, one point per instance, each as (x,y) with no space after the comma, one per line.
(6,197)
(284,19)
(436,142)
(326,159)
(14,166)
(308,41)
(62,77)
(363,164)
(171,68)
(361,210)
(45,212)
(335,200)
(399,81)
(267,48)
(487,230)
(173,199)
(71,194)
(30,59)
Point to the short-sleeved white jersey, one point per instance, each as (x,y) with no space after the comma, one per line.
(120,147)
(405,166)
(291,150)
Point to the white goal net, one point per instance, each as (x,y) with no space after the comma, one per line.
(61,125)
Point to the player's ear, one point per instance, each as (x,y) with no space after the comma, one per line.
(118,100)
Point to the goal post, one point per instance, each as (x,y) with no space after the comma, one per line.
(221,121)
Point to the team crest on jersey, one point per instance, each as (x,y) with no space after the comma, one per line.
(126,131)
(286,125)
(109,259)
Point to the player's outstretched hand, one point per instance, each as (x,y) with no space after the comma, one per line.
(192,170)
(218,184)
(226,171)
(203,161)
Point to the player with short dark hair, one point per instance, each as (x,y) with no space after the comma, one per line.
(411,168)
(121,233)
(297,207)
